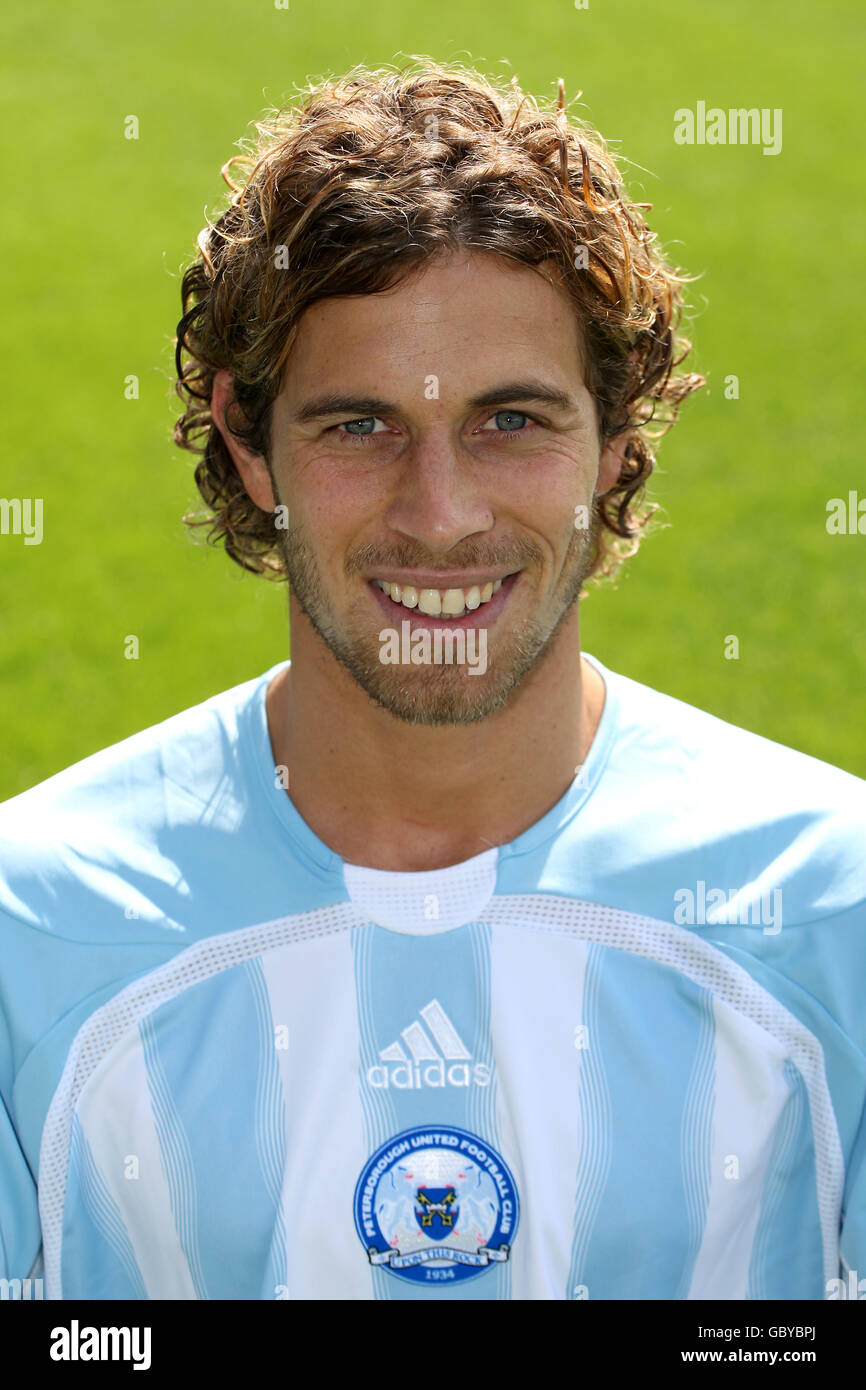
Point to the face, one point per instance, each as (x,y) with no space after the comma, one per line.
(437,437)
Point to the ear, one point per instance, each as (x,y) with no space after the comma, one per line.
(611,463)
(251,466)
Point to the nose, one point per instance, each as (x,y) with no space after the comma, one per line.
(440,495)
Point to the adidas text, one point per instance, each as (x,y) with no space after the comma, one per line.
(432,1053)
(407,1077)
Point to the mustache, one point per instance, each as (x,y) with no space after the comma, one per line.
(515,557)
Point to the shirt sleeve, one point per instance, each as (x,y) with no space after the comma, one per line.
(20,1234)
(852,1242)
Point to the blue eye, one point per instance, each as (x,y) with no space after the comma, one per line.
(511,423)
(367,420)
(509,415)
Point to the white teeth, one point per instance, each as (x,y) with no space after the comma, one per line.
(452,603)
(430,602)
(446,603)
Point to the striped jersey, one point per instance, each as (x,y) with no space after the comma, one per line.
(619,1057)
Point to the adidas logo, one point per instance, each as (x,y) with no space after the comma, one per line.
(423,1065)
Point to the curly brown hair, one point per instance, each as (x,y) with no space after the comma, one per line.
(368,178)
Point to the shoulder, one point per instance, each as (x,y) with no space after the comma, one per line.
(679,802)
(95,827)
(684,752)
(755,848)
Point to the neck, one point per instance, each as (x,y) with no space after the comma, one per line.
(390,795)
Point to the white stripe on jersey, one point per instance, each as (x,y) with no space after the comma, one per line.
(144,1201)
(751,1092)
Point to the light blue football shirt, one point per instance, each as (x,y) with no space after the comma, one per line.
(620,1057)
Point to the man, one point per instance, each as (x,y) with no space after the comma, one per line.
(441,961)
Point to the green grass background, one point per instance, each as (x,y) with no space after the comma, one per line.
(97,228)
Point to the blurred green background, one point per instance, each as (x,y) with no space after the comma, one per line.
(97,229)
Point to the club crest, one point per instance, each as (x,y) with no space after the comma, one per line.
(436,1205)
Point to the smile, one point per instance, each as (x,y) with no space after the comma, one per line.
(471,607)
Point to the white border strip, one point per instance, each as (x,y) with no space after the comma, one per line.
(709,967)
(648,937)
(103,1030)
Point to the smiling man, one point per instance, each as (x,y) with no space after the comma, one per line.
(383,975)
(464,506)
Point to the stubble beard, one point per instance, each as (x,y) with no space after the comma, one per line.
(435,695)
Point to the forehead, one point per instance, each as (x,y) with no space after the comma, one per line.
(455,317)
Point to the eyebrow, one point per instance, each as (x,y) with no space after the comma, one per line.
(333,403)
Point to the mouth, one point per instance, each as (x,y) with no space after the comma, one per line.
(467,608)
